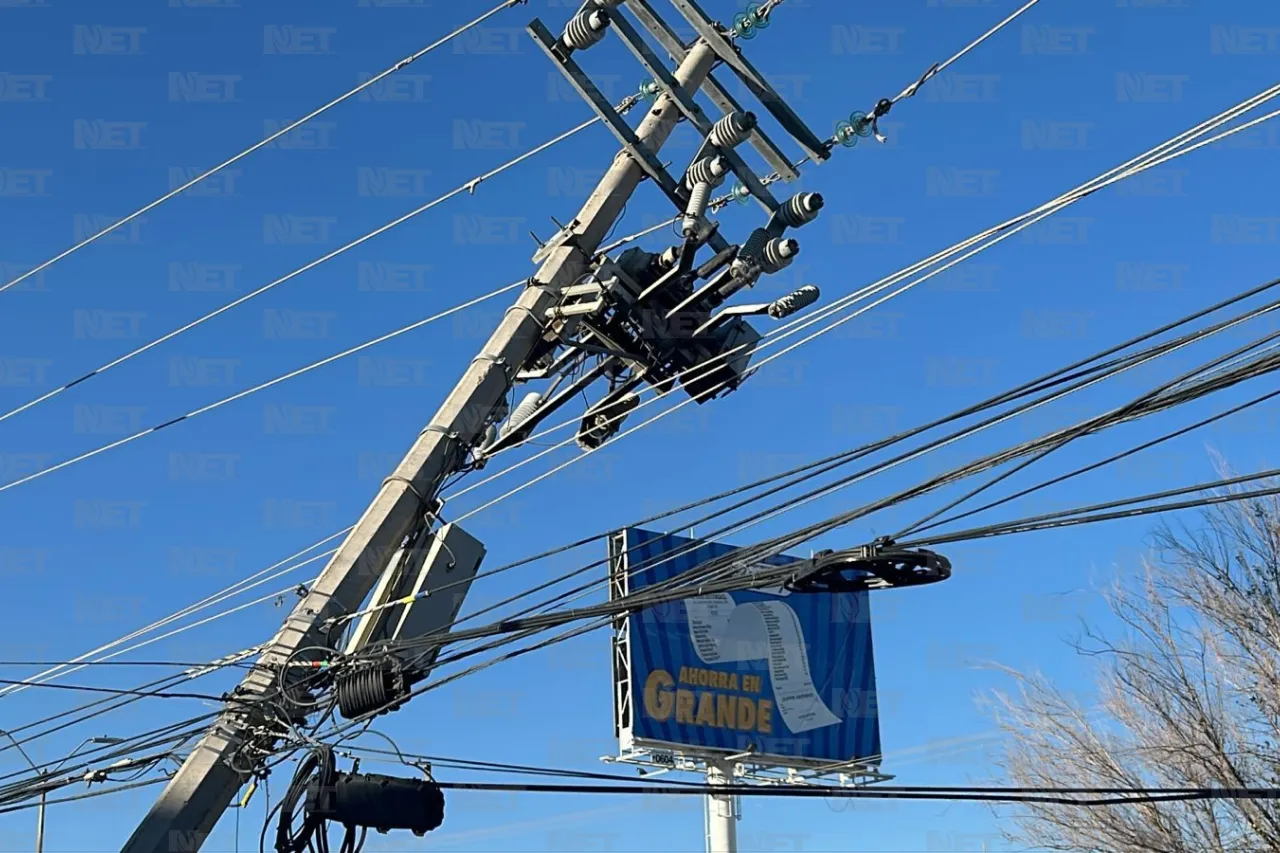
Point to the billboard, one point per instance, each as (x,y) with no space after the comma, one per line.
(789,677)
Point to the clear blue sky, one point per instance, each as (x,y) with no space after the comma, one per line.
(95,122)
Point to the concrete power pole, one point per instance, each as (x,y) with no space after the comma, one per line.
(200,792)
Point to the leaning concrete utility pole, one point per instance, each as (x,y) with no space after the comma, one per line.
(203,788)
(555,310)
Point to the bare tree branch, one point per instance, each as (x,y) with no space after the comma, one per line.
(1188,696)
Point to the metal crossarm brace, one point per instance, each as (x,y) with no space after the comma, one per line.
(690,109)
(756,82)
(550,406)
(719,95)
(597,101)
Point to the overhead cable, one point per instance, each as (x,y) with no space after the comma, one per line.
(1137,361)
(468,187)
(1095,513)
(1042,383)
(1134,408)
(995,235)
(1040,213)
(1067,797)
(1149,406)
(287,129)
(262,386)
(1070,377)
(1146,445)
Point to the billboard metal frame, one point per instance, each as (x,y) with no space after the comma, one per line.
(662,756)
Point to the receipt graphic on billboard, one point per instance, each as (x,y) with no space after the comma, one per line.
(768,671)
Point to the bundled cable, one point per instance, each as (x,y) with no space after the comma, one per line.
(357,801)
(319,763)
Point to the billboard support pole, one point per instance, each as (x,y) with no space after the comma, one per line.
(721,812)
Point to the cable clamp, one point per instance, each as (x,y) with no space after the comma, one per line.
(911,90)
(406,480)
(445,431)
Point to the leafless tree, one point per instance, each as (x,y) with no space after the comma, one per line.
(1188,696)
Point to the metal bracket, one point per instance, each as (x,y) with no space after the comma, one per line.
(565,236)
(754,80)
(690,109)
(719,95)
(719,317)
(588,90)
(550,406)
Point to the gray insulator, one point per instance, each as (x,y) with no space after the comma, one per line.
(522,413)
(708,170)
(800,209)
(755,245)
(793,302)
(778,254)
(698,198)
(585,29)
(732,130)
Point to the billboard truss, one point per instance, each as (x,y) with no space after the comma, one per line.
(634,649)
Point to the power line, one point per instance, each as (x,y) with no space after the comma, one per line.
(999,233)
(1098,512)
(1064,797)
(1044,211)
(1042,383)
(468,187)
(262,386)
(372,81)
(1080,380)
(1118,415)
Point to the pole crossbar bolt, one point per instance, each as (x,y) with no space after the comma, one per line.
(732,129)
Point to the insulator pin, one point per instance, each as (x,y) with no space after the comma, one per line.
(800,209)
(585,29)
(732,130)
(793,302)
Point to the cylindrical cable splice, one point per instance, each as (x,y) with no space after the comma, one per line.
(800,209)
(794,301)
(778,254)
(372,690)
(377,802)
(708,170)
(697,206)
(585,29)
(732,130)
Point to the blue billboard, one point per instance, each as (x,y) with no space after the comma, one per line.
(779,674)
